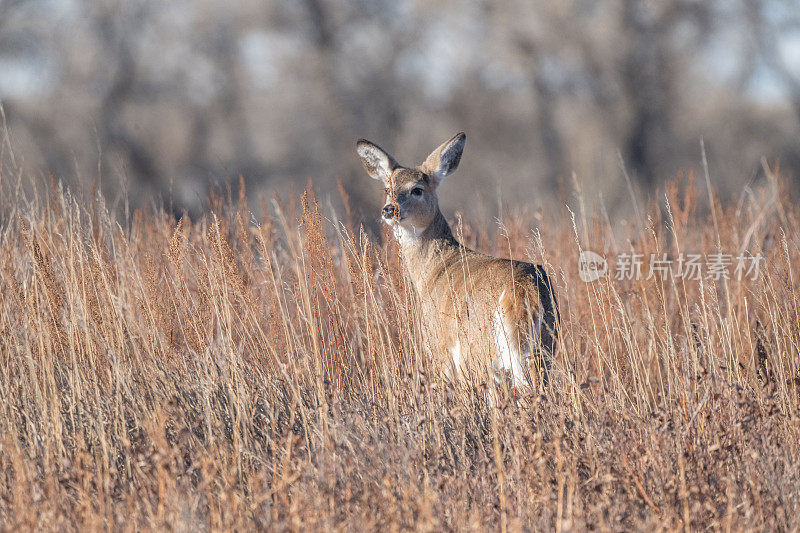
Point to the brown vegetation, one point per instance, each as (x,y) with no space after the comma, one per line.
(244,371)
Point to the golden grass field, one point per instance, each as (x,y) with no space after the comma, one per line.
(266,370)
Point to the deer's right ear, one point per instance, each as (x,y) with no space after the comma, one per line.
(378,163)
(445,159)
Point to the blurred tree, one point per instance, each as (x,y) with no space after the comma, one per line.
(183,95)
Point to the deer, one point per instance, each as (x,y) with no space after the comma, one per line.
(477,308)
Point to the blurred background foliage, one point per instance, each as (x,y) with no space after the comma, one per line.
(164,100)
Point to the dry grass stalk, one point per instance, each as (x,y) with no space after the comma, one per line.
(227,374)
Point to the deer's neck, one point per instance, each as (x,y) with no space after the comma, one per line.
(424,255)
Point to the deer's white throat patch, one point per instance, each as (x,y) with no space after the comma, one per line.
(406,235)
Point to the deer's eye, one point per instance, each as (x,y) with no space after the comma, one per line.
(416,192)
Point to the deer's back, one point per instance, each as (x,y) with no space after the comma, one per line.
(465,290)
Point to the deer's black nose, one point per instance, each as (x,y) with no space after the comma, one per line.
(389,211)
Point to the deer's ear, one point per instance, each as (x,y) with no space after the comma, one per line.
(377,162)
(445,159)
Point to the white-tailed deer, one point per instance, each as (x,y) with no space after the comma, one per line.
(475,306)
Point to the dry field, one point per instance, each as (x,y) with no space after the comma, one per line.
(266,370)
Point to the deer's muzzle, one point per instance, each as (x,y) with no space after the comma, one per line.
(389,211)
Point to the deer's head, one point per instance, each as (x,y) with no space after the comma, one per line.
(411,203)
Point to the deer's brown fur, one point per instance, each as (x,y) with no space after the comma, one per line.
(476,307)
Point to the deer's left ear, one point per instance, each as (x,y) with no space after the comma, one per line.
(376,161)
(444,160)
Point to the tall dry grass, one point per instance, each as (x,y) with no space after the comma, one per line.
(268,371)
